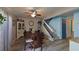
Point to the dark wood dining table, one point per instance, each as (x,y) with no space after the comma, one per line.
(37,38)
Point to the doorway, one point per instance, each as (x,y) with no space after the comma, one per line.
(63,29)
(69,27)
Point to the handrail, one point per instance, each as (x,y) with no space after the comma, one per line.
(49,25)
(48,30)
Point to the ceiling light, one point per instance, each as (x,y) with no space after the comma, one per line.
(33,14)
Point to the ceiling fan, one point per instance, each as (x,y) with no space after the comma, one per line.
(33,13)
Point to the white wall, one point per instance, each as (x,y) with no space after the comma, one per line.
(14,25)
(1,38)
(5,33)
(1,33)
(10,32)
(59,12)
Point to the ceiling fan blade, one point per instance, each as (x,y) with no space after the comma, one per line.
(28,12)
(38,14)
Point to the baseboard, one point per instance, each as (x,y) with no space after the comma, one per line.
(76,38)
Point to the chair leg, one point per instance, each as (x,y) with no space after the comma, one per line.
(34,49)
(41,48)
(25,47)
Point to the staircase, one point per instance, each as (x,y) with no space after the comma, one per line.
(49,31)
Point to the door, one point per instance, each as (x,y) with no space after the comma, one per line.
(63,29)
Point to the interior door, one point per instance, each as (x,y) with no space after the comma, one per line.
(63,29)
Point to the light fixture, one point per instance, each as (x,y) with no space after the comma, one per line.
(33,14)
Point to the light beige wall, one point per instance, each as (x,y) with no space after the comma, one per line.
(26,23)
(35,20)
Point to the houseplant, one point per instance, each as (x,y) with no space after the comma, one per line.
(2,19)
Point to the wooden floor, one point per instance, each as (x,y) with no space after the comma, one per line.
(57,45)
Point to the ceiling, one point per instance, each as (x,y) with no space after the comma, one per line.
(45,11)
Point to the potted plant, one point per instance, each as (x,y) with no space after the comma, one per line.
(2,19)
